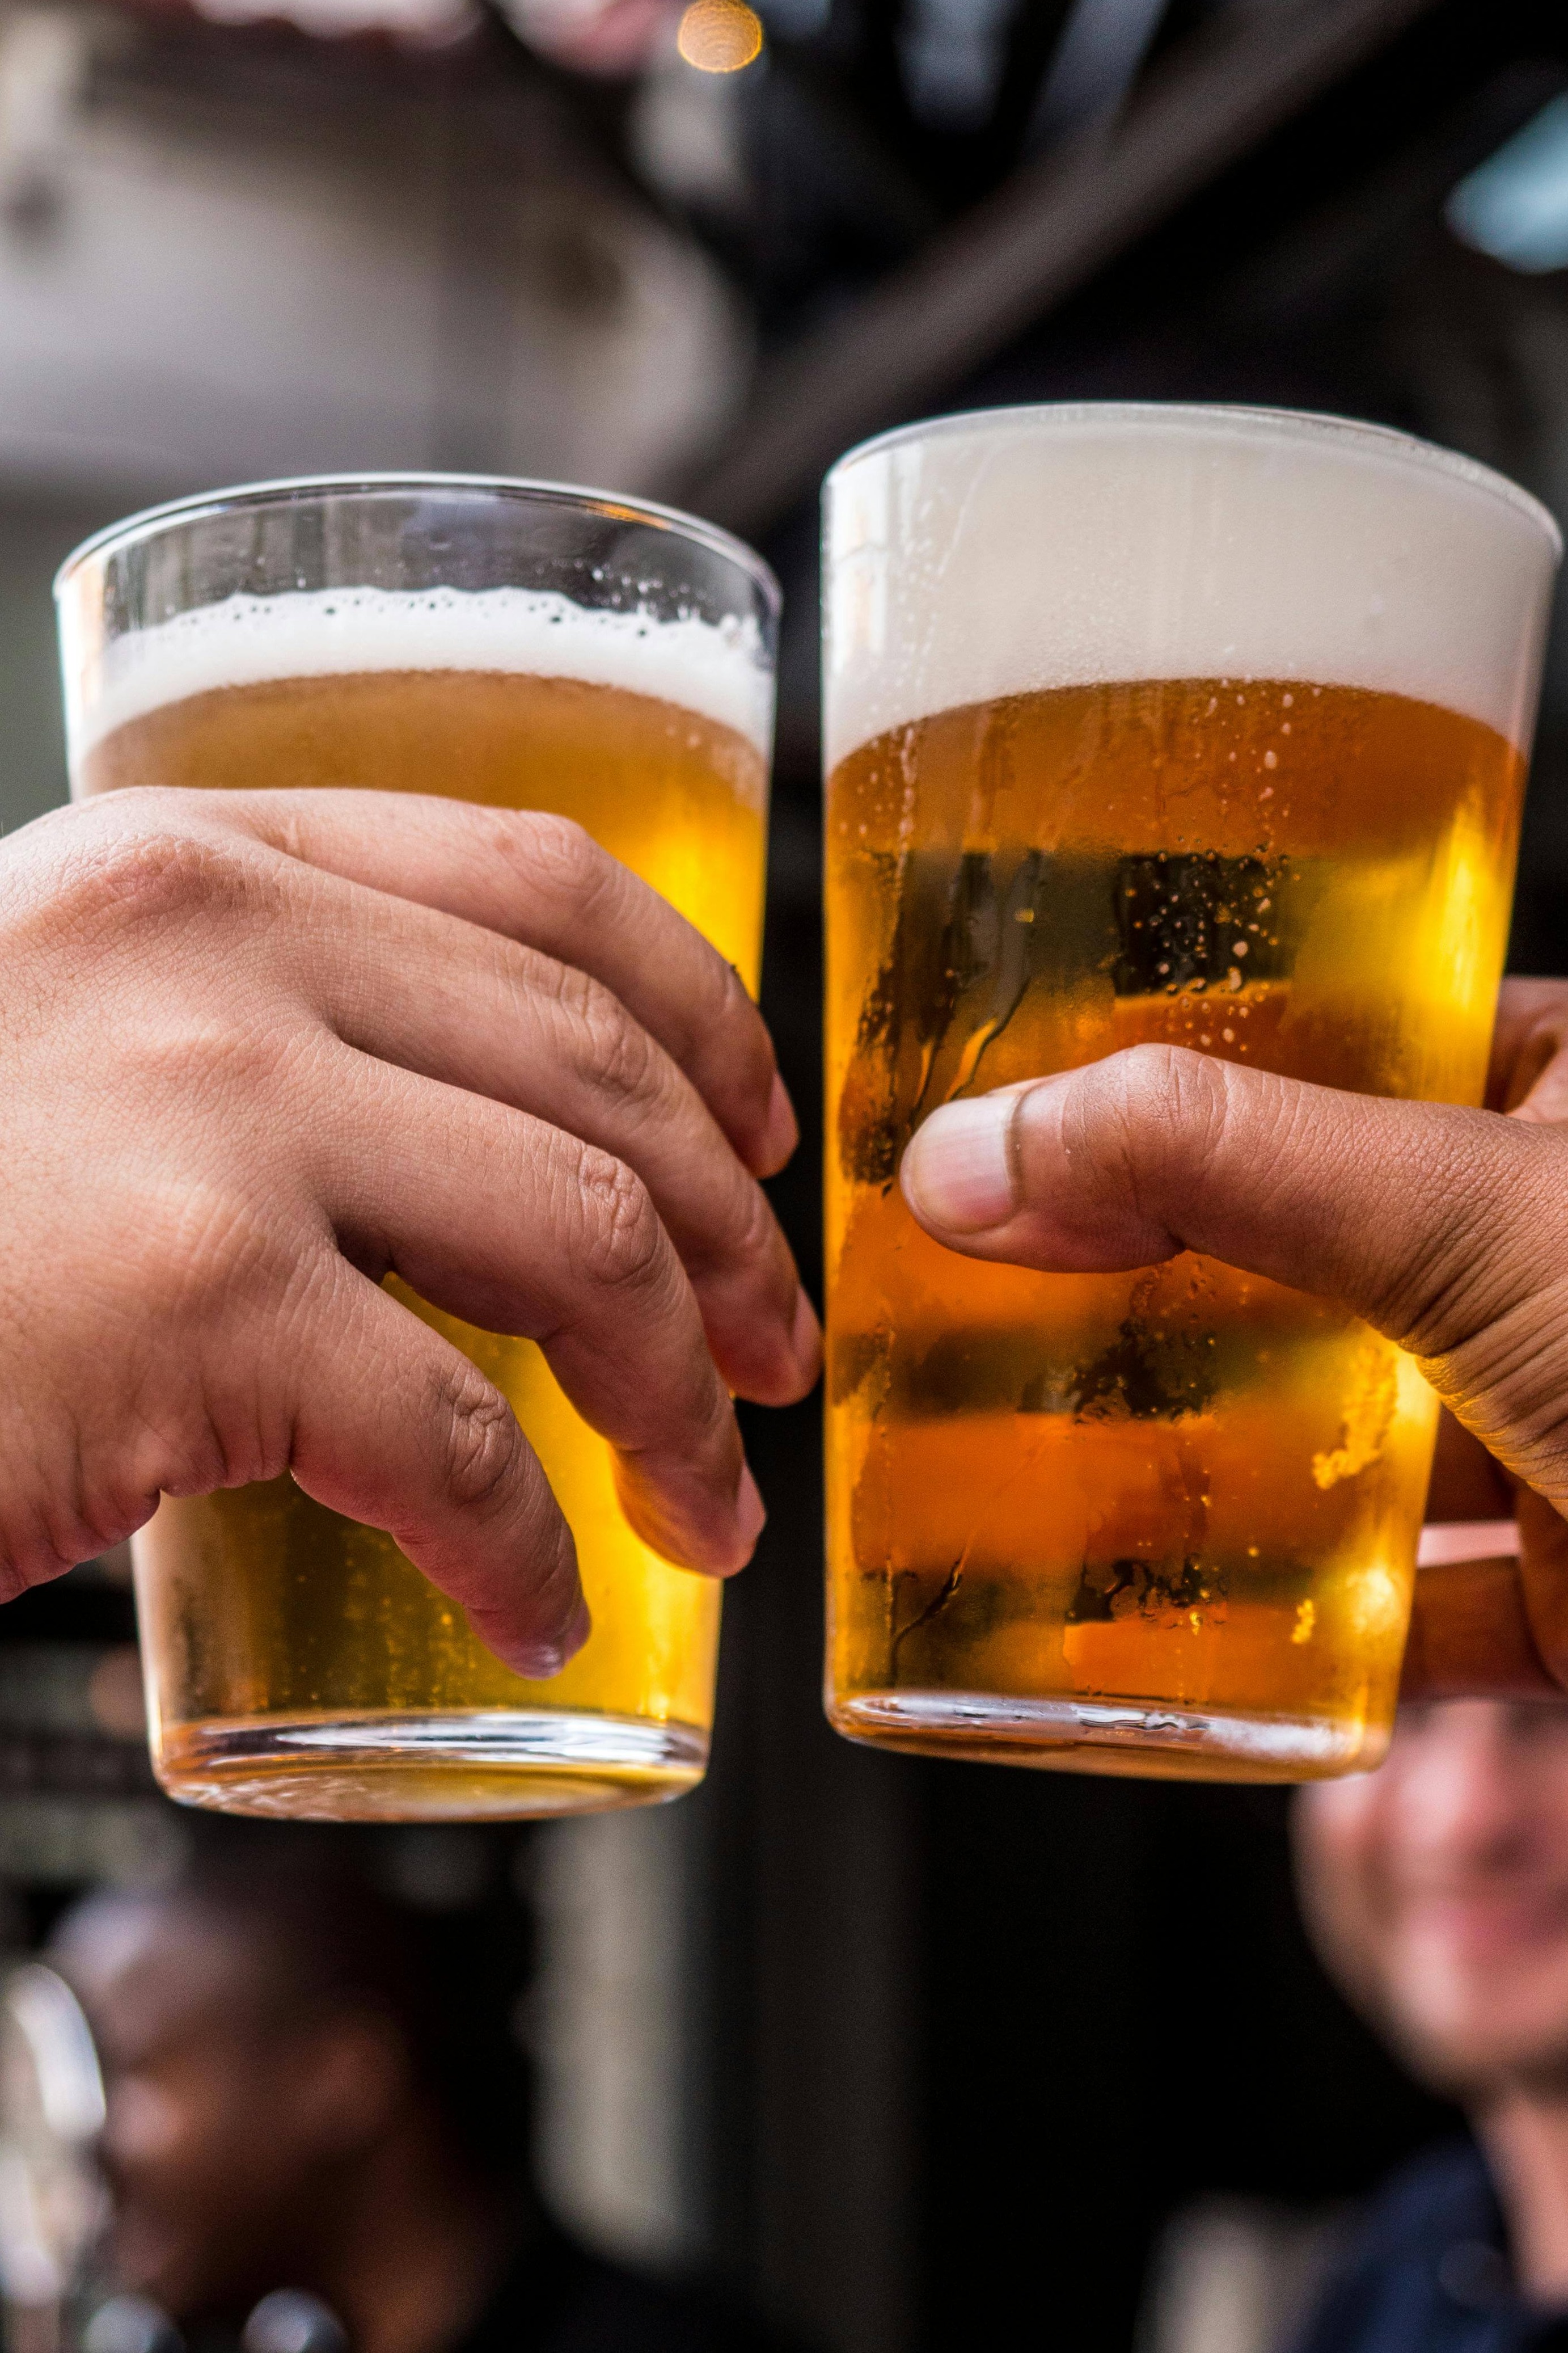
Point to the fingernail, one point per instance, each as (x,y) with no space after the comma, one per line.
(783,1129)
(750,1511)
(805,1339)
(538,1661)
(958,1168)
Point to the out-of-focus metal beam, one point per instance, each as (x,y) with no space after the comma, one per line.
(1035,241)
(1103,44)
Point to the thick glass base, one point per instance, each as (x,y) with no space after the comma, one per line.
(491,1765)
(1133,1736)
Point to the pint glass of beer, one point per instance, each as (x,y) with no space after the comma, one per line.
(525,647)
(1202,726)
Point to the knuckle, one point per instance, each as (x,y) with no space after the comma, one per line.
(213,1259)
(248,1291)
(152,873)
(757,1238)
(721,1431)
(481,1440)
(622,1059)
(207,1060)
(612,1051)
(1122,1100)
(1148,1120)
(214,1441)
(562,856)
(721,1008)
(1168,1081)
(1174,1104)
(744,1237)
(624,1244)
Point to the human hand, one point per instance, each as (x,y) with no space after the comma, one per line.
(262,1049)
(1447,1228)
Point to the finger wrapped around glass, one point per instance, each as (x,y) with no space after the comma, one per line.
(508,644)
(1204,727)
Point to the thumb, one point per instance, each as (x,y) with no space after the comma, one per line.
(1447,1228)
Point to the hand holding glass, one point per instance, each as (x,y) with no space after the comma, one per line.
(518,648)
(1198,727)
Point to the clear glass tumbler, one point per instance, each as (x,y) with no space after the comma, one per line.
(528,646)
(1203,726)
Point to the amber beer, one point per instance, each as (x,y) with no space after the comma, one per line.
(1196,727)
(297,1661)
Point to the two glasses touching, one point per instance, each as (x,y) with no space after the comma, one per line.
(1198,727)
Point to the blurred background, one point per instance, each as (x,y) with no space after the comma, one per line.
(911,2054)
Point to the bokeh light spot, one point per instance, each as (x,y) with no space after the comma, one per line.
(719,36)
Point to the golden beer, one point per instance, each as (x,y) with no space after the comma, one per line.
(297,1663)
(1161,1522)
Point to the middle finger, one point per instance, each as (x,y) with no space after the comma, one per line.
(448,1000)
(519,1228)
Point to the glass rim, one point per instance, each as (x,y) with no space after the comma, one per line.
(147,522)
(1280,424)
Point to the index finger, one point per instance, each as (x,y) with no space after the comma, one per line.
(543,881)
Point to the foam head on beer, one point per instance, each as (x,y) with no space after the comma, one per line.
(1201,727)
(985,559)
(712,668)
(514,696)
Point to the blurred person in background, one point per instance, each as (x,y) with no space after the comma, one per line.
(1436,1892)
(312,2087)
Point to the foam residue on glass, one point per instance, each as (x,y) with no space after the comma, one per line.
(716,668)
(1018,551)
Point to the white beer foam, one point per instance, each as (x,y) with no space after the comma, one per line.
(999,554)
(716,670)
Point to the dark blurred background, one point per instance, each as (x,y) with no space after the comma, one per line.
(916,2054)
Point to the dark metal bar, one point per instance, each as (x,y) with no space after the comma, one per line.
(1035,241)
